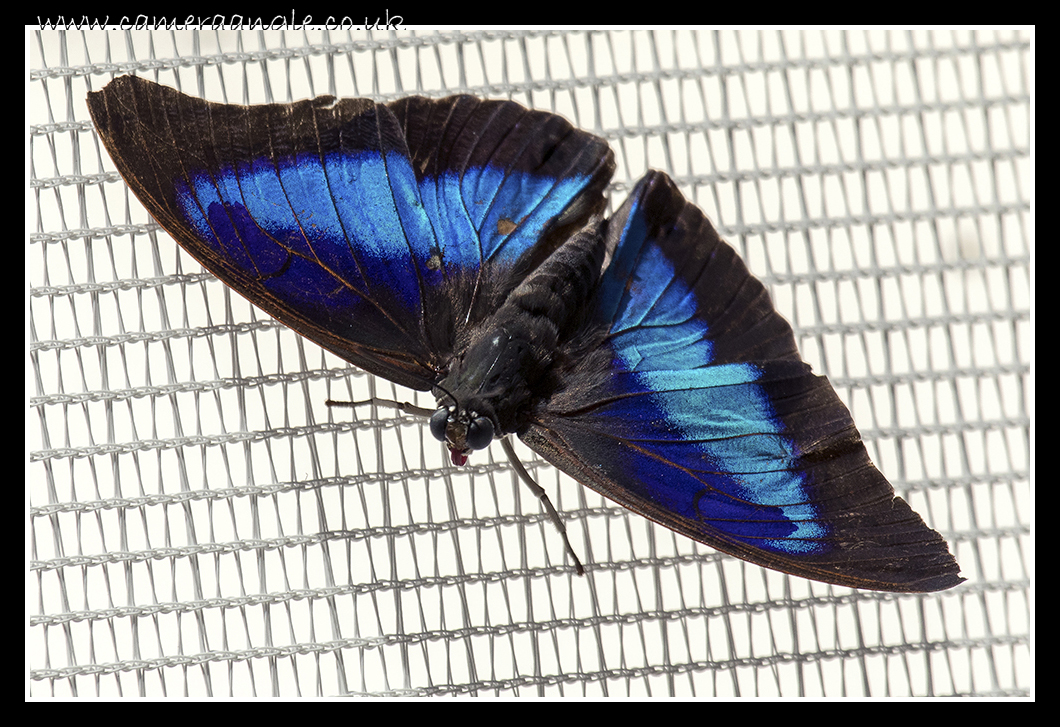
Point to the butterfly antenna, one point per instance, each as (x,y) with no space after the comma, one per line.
(402,406)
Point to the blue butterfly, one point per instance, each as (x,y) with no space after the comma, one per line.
(456,246)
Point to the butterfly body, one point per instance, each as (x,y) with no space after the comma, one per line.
(509,365)
(456,245)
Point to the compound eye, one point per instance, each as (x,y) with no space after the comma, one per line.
(439,421)
(480,433)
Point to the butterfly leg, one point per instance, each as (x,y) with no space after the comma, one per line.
(539,491)
(403,406)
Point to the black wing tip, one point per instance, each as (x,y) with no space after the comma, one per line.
(926,584)
(929,571)
(924,566)
(933,583)
(97,100)
(126,84)
(118,83)
(941,583)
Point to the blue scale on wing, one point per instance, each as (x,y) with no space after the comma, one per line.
(529,202)
(713,452)
(374,223)
(317,234)
(693,441)
(651,314)
(476,206)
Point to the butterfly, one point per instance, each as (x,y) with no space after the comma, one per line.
(457,246)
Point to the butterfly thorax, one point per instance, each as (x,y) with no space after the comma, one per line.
(507,365)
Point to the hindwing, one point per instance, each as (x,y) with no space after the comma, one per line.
(693,409)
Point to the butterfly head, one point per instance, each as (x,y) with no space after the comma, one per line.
(462,431)
(483,393)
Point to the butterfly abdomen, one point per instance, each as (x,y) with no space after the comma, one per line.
(558,292)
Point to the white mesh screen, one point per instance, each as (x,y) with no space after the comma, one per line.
(201,524)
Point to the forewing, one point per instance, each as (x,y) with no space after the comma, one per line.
(693,409)
(346,219)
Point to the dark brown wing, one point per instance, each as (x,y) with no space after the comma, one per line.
(377,231)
